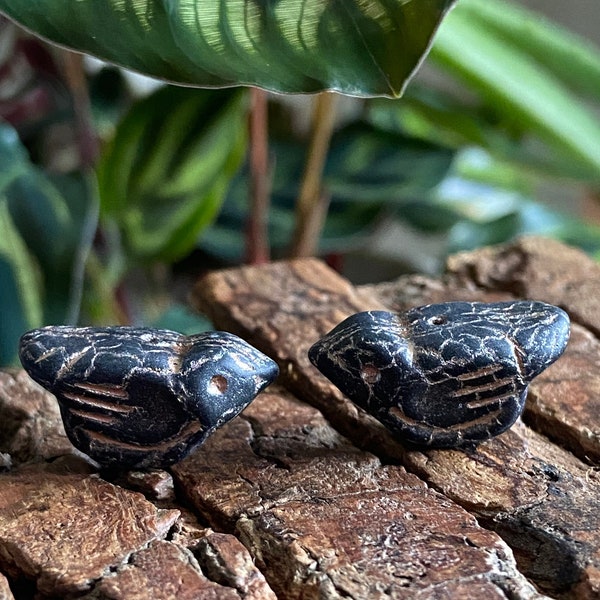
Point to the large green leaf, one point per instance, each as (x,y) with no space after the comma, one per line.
(164,175)
(513,71)
(46,230)
(368,164)
(357,47)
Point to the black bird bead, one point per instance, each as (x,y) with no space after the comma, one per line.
(445,375)
(136,398)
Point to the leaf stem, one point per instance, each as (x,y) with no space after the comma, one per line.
(105,301)
(257,242)
(75,78)
(312,203)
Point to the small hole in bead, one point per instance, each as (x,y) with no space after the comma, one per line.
(438,320)
(217,384)
(370,374)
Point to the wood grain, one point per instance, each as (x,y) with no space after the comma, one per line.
(326,520)
(30,423)
(65,532)
(164,571)
(520,484)
(98,524)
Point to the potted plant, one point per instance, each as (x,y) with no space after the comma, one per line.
(169,173)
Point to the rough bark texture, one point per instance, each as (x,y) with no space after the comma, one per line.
(326,520)
(97,524)
(305,496)
(541,498)
(565,403)
(5,593)
(165,570)
(536,268)
(66,532)
(284,308)
(30,424)
(226,561)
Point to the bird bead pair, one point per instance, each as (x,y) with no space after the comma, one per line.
(445,375)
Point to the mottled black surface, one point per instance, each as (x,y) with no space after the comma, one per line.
(443,375)
(133,397)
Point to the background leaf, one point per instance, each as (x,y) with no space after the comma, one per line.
(573,60)
(164,175)
(358,47)
(530,90)
(368,171)
(46,231)
(480,203)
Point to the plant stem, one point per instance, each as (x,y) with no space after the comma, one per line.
(257,243)
(74,74)
(312,204)
(108,303)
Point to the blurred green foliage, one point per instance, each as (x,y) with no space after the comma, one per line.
(164,174)
(367,171)
(47,224)
(465,156)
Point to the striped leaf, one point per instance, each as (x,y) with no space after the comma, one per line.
(357,47)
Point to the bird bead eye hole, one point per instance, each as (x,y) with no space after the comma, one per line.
(217,385)
(370,374)
(438,320)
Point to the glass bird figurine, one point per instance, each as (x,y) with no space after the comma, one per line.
(445,375)
(137,398)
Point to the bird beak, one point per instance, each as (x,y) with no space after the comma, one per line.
(541,335)
(266,373)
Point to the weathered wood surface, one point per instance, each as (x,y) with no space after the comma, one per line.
(311,498)
(540,497)
(5,592)
(66,532)
(67,507)
(30,424)
(327,520)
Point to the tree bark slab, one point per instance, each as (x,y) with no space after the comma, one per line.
(564,403)
(30,423)
(327,520)
(310,497)
(5,592)
(226,561)
(539,268)
(538,495)
(65,532)
(98,525)
(165,570)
